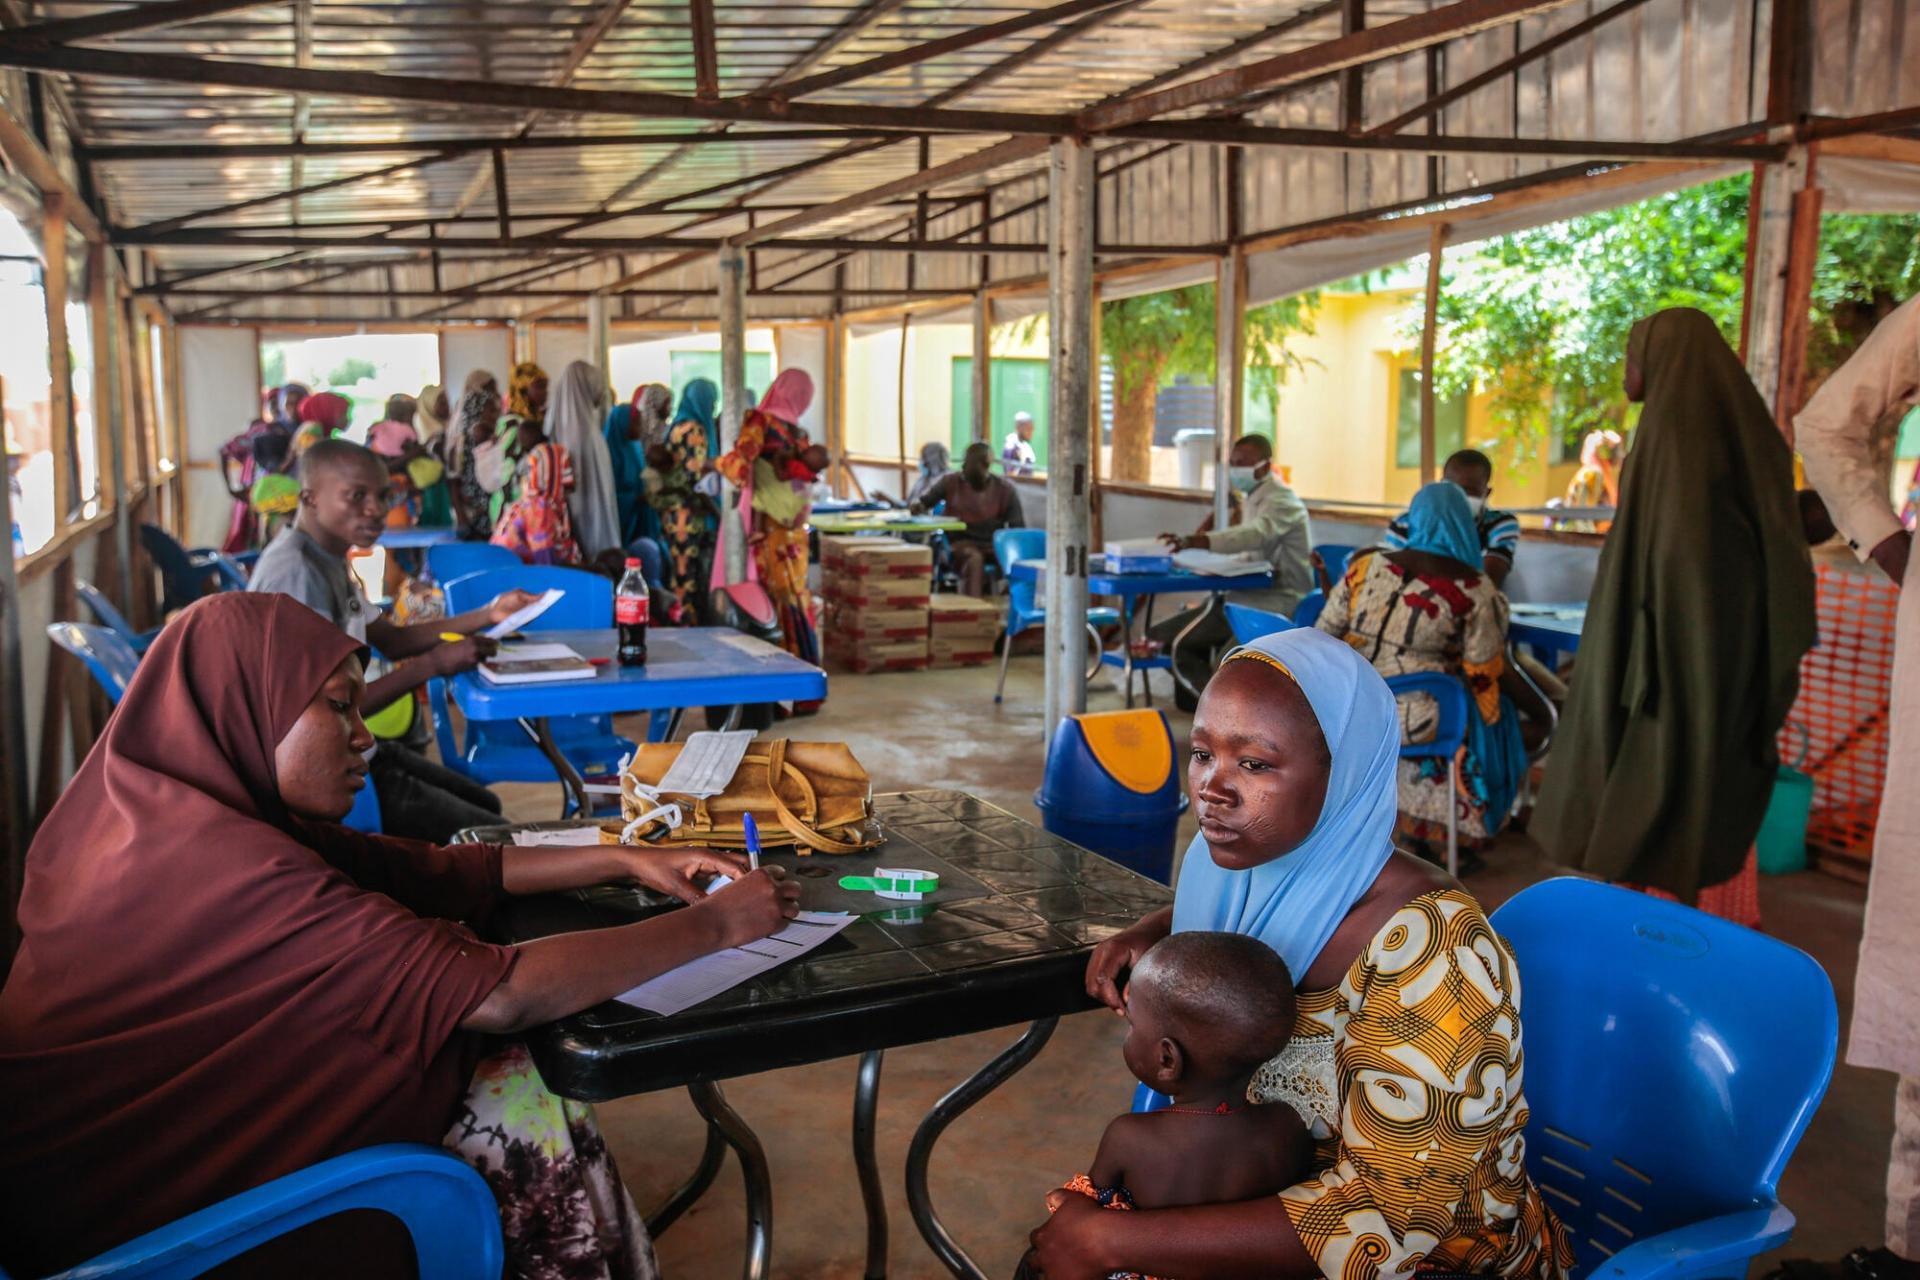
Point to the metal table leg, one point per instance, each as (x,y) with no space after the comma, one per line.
(1173,650)
(542,734)
(1126,645)
(694,1187)
(1146,629)
(950,1108)
(753,1170)
(866,1100)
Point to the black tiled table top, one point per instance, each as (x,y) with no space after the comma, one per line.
(898,975)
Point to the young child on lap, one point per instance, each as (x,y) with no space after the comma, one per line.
(1204,1012)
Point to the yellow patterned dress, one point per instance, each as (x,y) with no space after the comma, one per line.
(1408,1075)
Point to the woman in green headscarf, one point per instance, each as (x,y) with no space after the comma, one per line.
(1701,610)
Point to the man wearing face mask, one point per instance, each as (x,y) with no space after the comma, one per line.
(1274,526)
(1499,530)
(985,502)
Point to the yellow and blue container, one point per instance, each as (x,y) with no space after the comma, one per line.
(1111,786)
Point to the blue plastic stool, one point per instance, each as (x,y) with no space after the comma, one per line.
(1674,1060)
(1111,785)
(444,1204)
(108,658)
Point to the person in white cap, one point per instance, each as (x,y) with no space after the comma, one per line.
(1017,453)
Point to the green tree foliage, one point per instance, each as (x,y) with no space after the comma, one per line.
(1156,337)
(1540,318)
(273,365)
(351,371)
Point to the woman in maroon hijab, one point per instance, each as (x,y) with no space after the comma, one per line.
(216,986)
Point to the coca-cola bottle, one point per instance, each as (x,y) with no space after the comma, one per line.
(630,607)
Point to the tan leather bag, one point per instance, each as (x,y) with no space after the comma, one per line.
(815,793)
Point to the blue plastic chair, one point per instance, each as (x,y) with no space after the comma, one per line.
(449,560)
(443,1203)
(1249,624)
(502,752)
(1673,1061)
(186,575)
(1449,735)
(1307,612)
(110,617)
(1333,558)
(1010,547)
(108,657)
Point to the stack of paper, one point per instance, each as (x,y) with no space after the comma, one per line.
(710,975)
(1217,564)
(534,664)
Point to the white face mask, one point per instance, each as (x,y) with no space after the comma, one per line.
(1479,504)
(1243,479)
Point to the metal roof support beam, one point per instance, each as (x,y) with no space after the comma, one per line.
(255,202)
(1439,102)
(1353,81)
(1448,22)
(506,95)
(1229,133)
(1009,152)
(1032,53)
(1226,52)
(116,22)
(605,291)
(500,208)
(927,50)
(856,22)
(144,151)
(1070,235)
(706,61)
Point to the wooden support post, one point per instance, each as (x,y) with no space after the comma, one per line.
(982,425)
(599,335)
(1803,251)
(1229,377)
(14,814)
(733,344)
(1770,236)
(836,404)
(900,402)
(1071,210)
(1429,333)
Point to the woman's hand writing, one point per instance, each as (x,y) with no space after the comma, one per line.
(1122,951)
(672,871)
(754,906)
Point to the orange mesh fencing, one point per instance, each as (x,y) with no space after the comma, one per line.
(1842,709)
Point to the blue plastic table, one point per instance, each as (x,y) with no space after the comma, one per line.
(1144,587)
(417,537)
(1552,629)
(686,667)
(836,506)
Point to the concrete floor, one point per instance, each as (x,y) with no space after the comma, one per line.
(942,729)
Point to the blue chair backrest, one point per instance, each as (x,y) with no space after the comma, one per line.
(96,600)
(1010,546)
(1249,624)
(1450,694)
(365,814)
(449,560)
(109,658)
(588,603)
(1307,612)
(1334,555)
(1673,1059)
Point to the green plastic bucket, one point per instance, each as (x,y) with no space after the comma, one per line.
(1782,842)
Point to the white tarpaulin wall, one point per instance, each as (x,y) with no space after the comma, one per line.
(464,350)
(1867,186)
(804,346)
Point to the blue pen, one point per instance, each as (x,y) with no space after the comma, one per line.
(753,840)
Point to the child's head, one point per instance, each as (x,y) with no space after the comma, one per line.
(343,492)
(660,458)
(1206,1009)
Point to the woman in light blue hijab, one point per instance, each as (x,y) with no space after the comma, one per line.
(1405,1061)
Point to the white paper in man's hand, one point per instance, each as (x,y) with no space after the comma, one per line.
(523,615)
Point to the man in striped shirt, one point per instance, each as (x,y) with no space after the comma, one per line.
(1499,530)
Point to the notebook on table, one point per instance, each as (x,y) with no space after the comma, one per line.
(535,664)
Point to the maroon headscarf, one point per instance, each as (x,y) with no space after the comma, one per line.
(210,993)
(327,409)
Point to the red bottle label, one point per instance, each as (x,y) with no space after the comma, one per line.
(628,610)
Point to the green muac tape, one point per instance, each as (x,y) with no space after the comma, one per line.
(903,883)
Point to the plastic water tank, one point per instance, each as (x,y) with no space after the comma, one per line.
(1194,448)
(1111,786)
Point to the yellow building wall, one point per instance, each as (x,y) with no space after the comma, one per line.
(873,376)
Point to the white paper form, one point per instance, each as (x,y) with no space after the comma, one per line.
(536,652)
(707,763)
(523,615)
(710,975)
(1216,564)
(565,837)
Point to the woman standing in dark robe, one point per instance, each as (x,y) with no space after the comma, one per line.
(1690,658)
(216,986)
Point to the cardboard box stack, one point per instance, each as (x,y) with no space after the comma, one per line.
(962,630)
(877,592)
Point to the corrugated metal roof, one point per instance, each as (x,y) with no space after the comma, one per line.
(1668,70)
